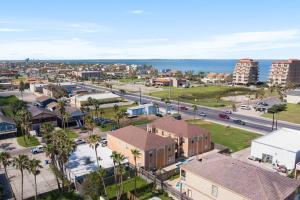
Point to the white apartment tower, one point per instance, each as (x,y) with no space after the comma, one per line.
(283,72)
(245,72)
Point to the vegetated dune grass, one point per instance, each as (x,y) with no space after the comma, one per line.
(291,114)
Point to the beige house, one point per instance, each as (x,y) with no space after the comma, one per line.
(156,152)
(220,177)
(190,139)
(283,72)
(245,72)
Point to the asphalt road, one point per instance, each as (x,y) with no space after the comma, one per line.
(255,123)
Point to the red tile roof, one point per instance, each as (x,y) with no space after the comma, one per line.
(245,179)
(140,138)
(178,127)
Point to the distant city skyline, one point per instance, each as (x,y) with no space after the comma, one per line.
(132,29)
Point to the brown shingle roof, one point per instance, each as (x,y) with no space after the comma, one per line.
(245,179)
(141,138)
(178,127)
(43,98)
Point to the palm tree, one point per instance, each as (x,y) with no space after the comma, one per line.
(51,152)
(101,112)
(195,108)
(21,163)
(66,117)
(93,140)
(121,170)
(46,131)
(89,123)
(61,106)
(33,167)
(23,118)
(21,88)
(136,154)
(5,161)
(116,108)
(102,173)
(167,101)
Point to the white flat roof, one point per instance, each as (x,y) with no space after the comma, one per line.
(77,161)
(284,138)
(141,106)
(106,95)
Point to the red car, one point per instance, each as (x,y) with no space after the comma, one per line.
(224,116)
(183,108)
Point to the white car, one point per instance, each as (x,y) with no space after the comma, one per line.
(37,149)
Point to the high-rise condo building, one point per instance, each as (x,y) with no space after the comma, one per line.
(245,72)
(283,72)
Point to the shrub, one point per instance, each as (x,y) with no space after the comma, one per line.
(277,108)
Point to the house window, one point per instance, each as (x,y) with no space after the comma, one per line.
(214,190)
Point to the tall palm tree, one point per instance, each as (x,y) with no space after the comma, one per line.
(102,173)
(5,161)
(89,123)
(46,131)
(50,151)
(136,154)
(121,171)
(21,163)
(66,117)
(101,112)
(61,106)
(93,140)
(114,158)
(23,118)
(33,167)
(21,88)
(195,108)
(116,108)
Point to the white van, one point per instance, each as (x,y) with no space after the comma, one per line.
(245,107)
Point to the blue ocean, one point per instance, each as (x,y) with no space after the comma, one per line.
(196,65)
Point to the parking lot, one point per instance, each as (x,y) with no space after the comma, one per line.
(45,180)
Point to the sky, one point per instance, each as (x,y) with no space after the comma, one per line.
(149,29)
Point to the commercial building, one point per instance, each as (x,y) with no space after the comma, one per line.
(190,139)
(293,96)
(143,109)
(156,152)
(103,98)
(284,72)
(87,75)
(220,177)
(245,72)
(280,147)
(170,81)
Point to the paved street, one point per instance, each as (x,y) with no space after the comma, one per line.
(255,123)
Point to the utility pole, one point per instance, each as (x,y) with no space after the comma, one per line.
(178,104)
(140,96)
(169,88)
(273,121)
(276,124)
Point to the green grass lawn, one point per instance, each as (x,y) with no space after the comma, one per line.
(5,101)
(291,114)
(203,95)
(148,195)
(109,113)
(140,122)
(128,80)
(234,138)
(128,186)
(30,141)
(71,134)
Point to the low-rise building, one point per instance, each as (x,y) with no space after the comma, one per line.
(7,125)
(293,96)
(83,161)
(87,75)
(41,115)
(156,152)
(103,98)
(43,101)
(170,81)
(281,147)
(190,139)
(220,177)
(143,109)
(216,78)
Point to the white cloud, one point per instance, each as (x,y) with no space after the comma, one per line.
(137,12)
(86,27)
(269,44)
(11,30)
